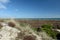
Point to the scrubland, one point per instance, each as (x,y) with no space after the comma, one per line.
(15,30)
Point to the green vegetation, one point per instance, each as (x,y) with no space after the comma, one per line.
(48,30)
(23,24)
(34,29)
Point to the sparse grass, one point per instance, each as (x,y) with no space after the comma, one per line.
(34,29)
(1,26)
(23,24)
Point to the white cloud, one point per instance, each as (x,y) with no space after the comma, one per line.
(2,2)
(2,6)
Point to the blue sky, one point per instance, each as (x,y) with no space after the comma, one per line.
(29,8)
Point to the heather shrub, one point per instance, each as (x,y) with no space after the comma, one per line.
(11,24)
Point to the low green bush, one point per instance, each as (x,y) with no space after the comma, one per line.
(49,31)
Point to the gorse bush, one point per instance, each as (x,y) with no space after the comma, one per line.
(49,31)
